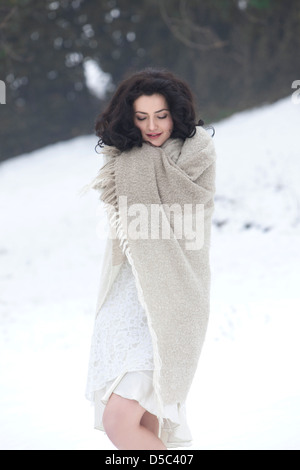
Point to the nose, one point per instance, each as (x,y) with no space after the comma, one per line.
(152,123)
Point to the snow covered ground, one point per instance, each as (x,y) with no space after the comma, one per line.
(246,393)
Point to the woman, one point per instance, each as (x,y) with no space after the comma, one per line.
(153,302)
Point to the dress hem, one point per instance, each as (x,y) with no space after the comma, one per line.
(137,385)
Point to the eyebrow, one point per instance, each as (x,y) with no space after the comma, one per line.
(164,109)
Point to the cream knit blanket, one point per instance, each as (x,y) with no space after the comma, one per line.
(171,267)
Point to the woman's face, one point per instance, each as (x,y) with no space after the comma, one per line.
(153,118)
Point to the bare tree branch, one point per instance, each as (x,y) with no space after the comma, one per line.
(8,16)
(4,43)
(180,26)
(12,54)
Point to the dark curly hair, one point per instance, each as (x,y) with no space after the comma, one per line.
(115,125)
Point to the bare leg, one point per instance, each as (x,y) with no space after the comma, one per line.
(122,422)
(150,422)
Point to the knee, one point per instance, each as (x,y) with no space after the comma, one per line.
(114,420)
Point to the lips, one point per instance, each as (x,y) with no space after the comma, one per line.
(153,136)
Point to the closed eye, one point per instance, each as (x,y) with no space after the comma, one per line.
(159,117)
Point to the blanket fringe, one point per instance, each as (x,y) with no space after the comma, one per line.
(106,172)
(105,182)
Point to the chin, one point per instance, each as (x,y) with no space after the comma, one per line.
(155,143)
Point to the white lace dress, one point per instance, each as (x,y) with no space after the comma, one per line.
(121,359)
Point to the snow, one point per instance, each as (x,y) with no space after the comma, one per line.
(246,392)
(97,81)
